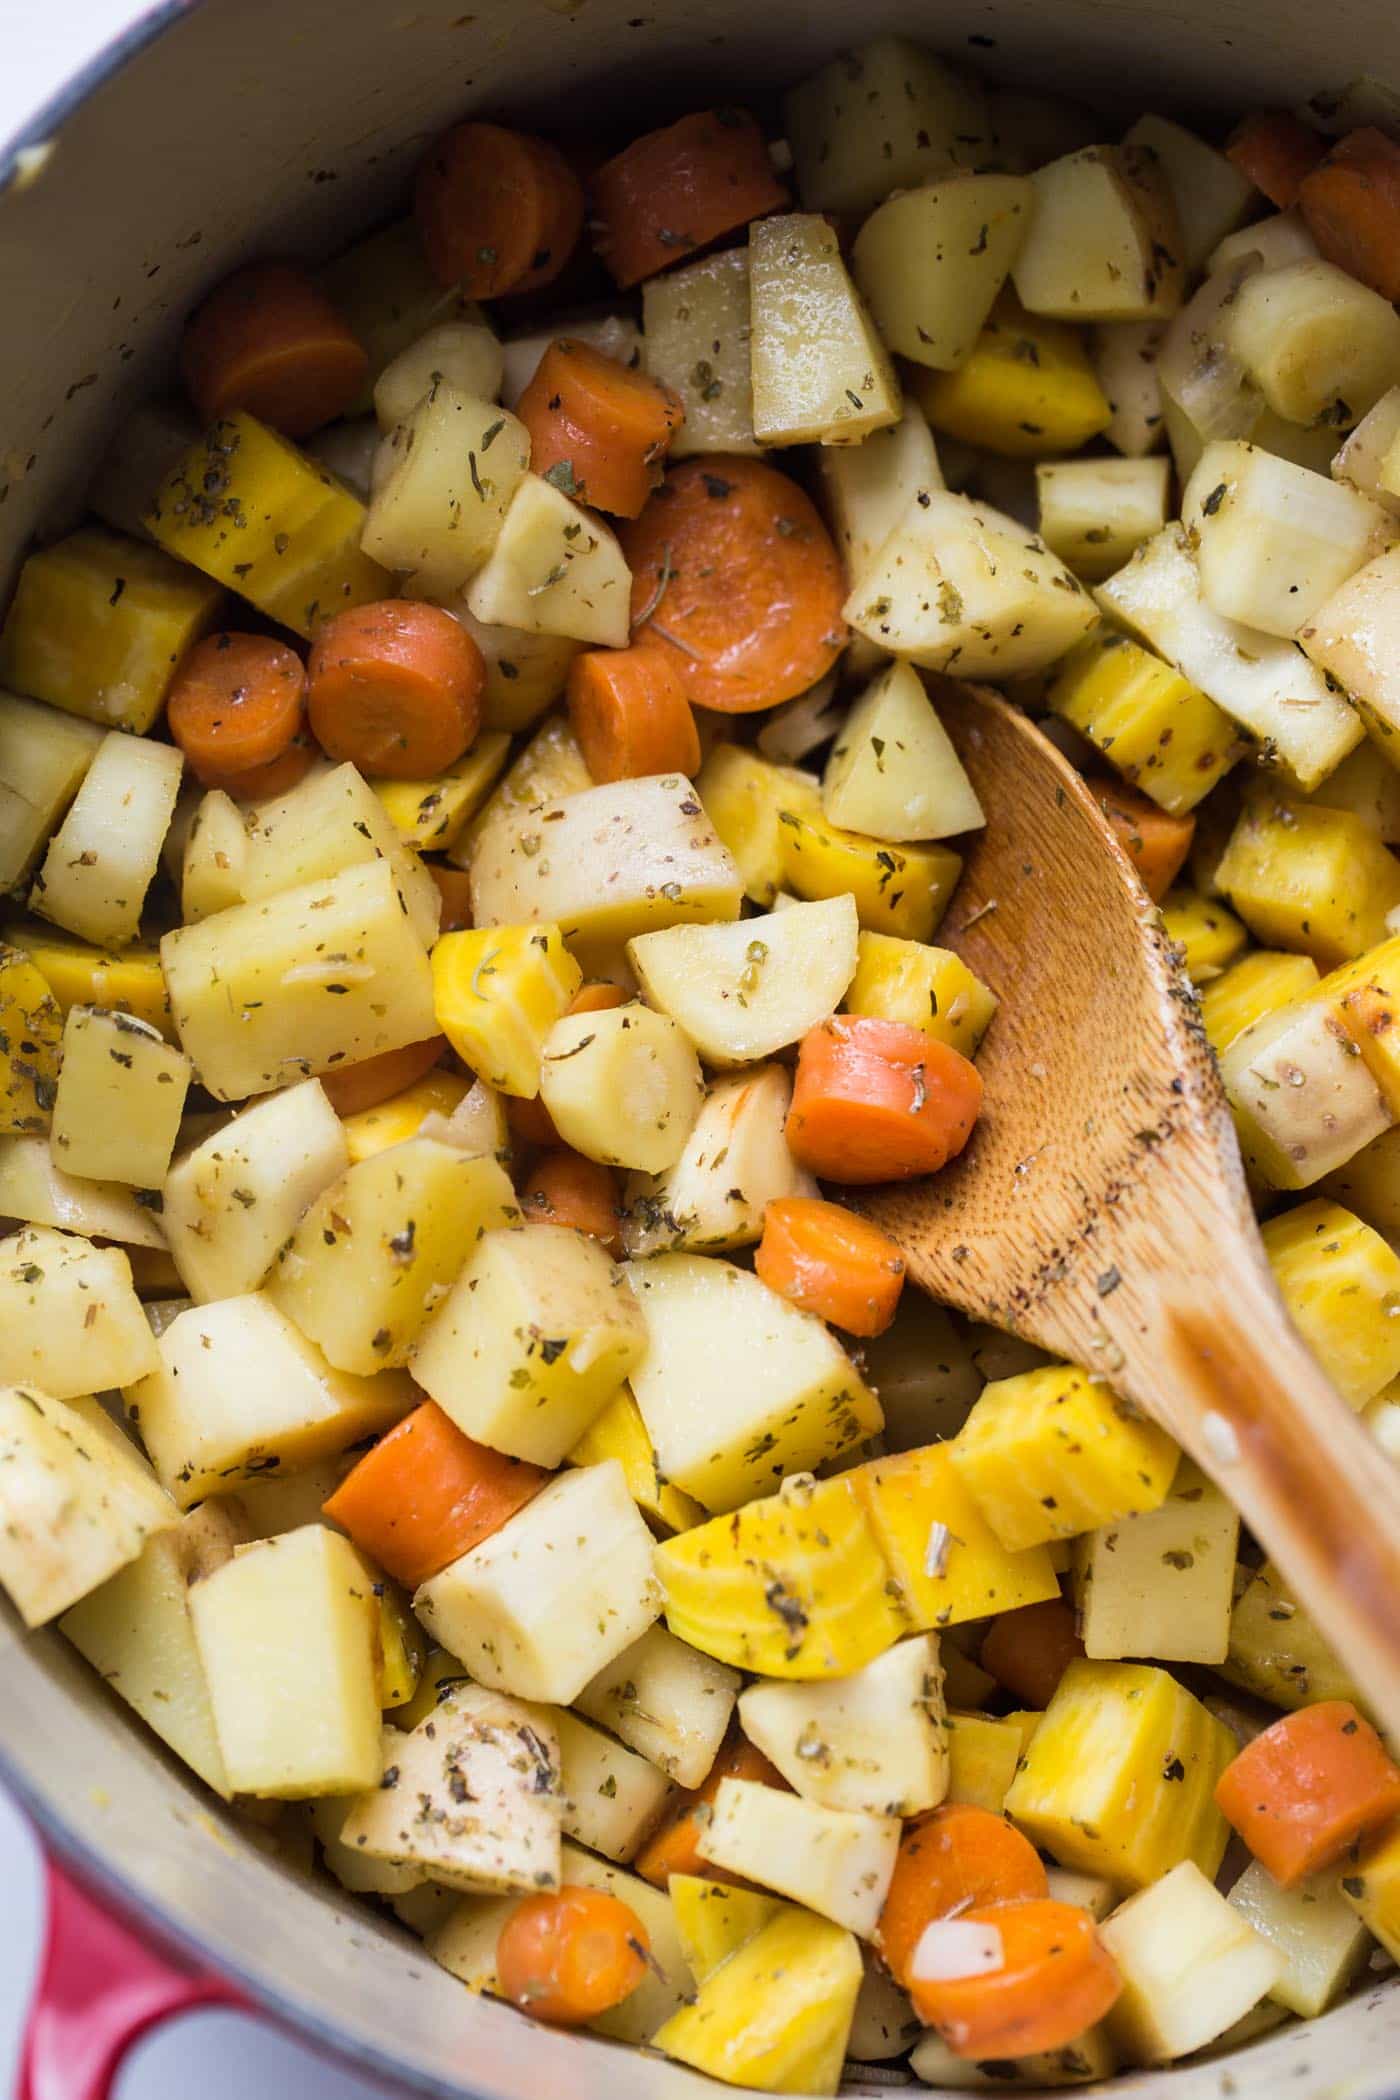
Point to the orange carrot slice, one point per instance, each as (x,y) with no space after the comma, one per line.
(879,1101)
(630,715)
(570,1955)
(954,1859)
(1309,1787)
(1275,150)
(1157,844)
(564,1188)
(237,705)
(830,1262)
(1055,1981)
(351,1089)
(499,211)
(1351,205)
(599,430)
(268,343)
(675,1848)
(676,190)
(395,687)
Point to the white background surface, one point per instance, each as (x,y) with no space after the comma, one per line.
(217,2056)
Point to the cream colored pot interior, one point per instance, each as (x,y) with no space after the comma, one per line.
(245,126)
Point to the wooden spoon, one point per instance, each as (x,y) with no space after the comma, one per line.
(1100,1209)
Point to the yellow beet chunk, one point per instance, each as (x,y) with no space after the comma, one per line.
(982,1758)
(1153,726)
(394,1121)
(1341,1283)
(1256,985)
(1364,996)
(78,974)
(99,623)
(901,890)
(1277,1652)
(1308,878)
(432,814)
(1119,1778)
(250,510)
(777,2013)
(1209,937)
(1051,1453)
(31,1029)
(1027,390)
(946,1563)
(791,1586)
(619,1432)
(714,1919)
(927,988)
(497,992)
(402,1648)
(1370,1882)
(743,797)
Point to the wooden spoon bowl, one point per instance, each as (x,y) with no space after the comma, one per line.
(1100,1209)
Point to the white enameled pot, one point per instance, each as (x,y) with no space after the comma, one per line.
(232,127)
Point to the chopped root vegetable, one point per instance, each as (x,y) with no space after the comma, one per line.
(351,1089)
(1275,151)
(426,1494)
(630,715)
(1156,844)
(1054,1980)
(1351,205)
(878,1101)
(267,343)
(674,191)
(564,1188)
(1309,1787)
(396,688)
(236,706)
(675,1848)
(952,1861)
(455,889)
(1028,1651)
(499,211)
(599,429)
(266,783)
(830,1262)
(736,582)
(597,997)
(571,1955)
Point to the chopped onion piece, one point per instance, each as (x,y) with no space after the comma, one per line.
(951,1948)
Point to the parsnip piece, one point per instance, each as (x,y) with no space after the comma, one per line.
(887,115)
(241,1392)
(608,863)
(1273,541)
(121,1094)
(836,1862)
(820,372)
(1191,1966)
(1161,1585)
(667,1984)
(624,1086)
(877,1741)
(930,262)
(554,1596)
(736,1162)
(554,569)
(1096,513)
(334,820)
(382,1246)
(77,1501)
(465,355)
(1353,639)
(471,1798)
(359,1871)
(325,974)
(1363,459)
(893,771)
(1319,1935)
(525,675)
(102,859)
(1280,238)
(696,340)
(37,1192)
(612,1799)
(884,2022)
(214,858)
(869,486)
(1315,342)
(744,990)
(1104,243)
(459,460)
(44,756)
(1209,193)
(70,1320)
(666,1701)
(1125,358)
(532,1342)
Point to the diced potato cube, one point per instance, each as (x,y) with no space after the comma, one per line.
(1318,344)
(1052,1453)
(1305,877)
(31,1030)
(1125,359)
(472,1797)
(138,1634)
(927,988)
(456,461)
(875,1742)
(930,262)
(1313,1927)
(1303,1101)
(240,1392)
(1341,1283)
(233,1201)
(960,587)
(893,772)
(81,975)
(1162,1584)
(608,863)
(476,1125)
(98,625)
(554,569)
(738,1386)
(1371,1885)
(286,1633)
(253,512)
(358,1871)
(1092,1892)
(103,856)
(836,1862)
(1191,1966)
(619,1432)
(121,1094)
(334,820)
(899,890)
(778,2013)
(869,486)
(1104,243)
(1352,641)
(70,1320)
(1272,540)
(37,1192)
(983,1757)
(326,974)
(743,990)
(1264,683)
(1277,1652)
(735,1163)
(430,815)
(497,992)
(623,1086)
(716,1918)
(820,372)
(533,1341)
(1026,389)
(77,1501)
(1119,1778)
(464,355)
(1156,728)
(1209,193)
(43,757)
(696,334)
(1095,513)
(612,1798)
(1364,461)
(381,1247)
(554,1596)
(888,115)
(946,1563)
(1256,985)
(667,1701)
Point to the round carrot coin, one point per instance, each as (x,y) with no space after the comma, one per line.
(568,1956)
(1054,1980)
(499,211)
(395,687)
(953,1859)
(236,705)
(268,342)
